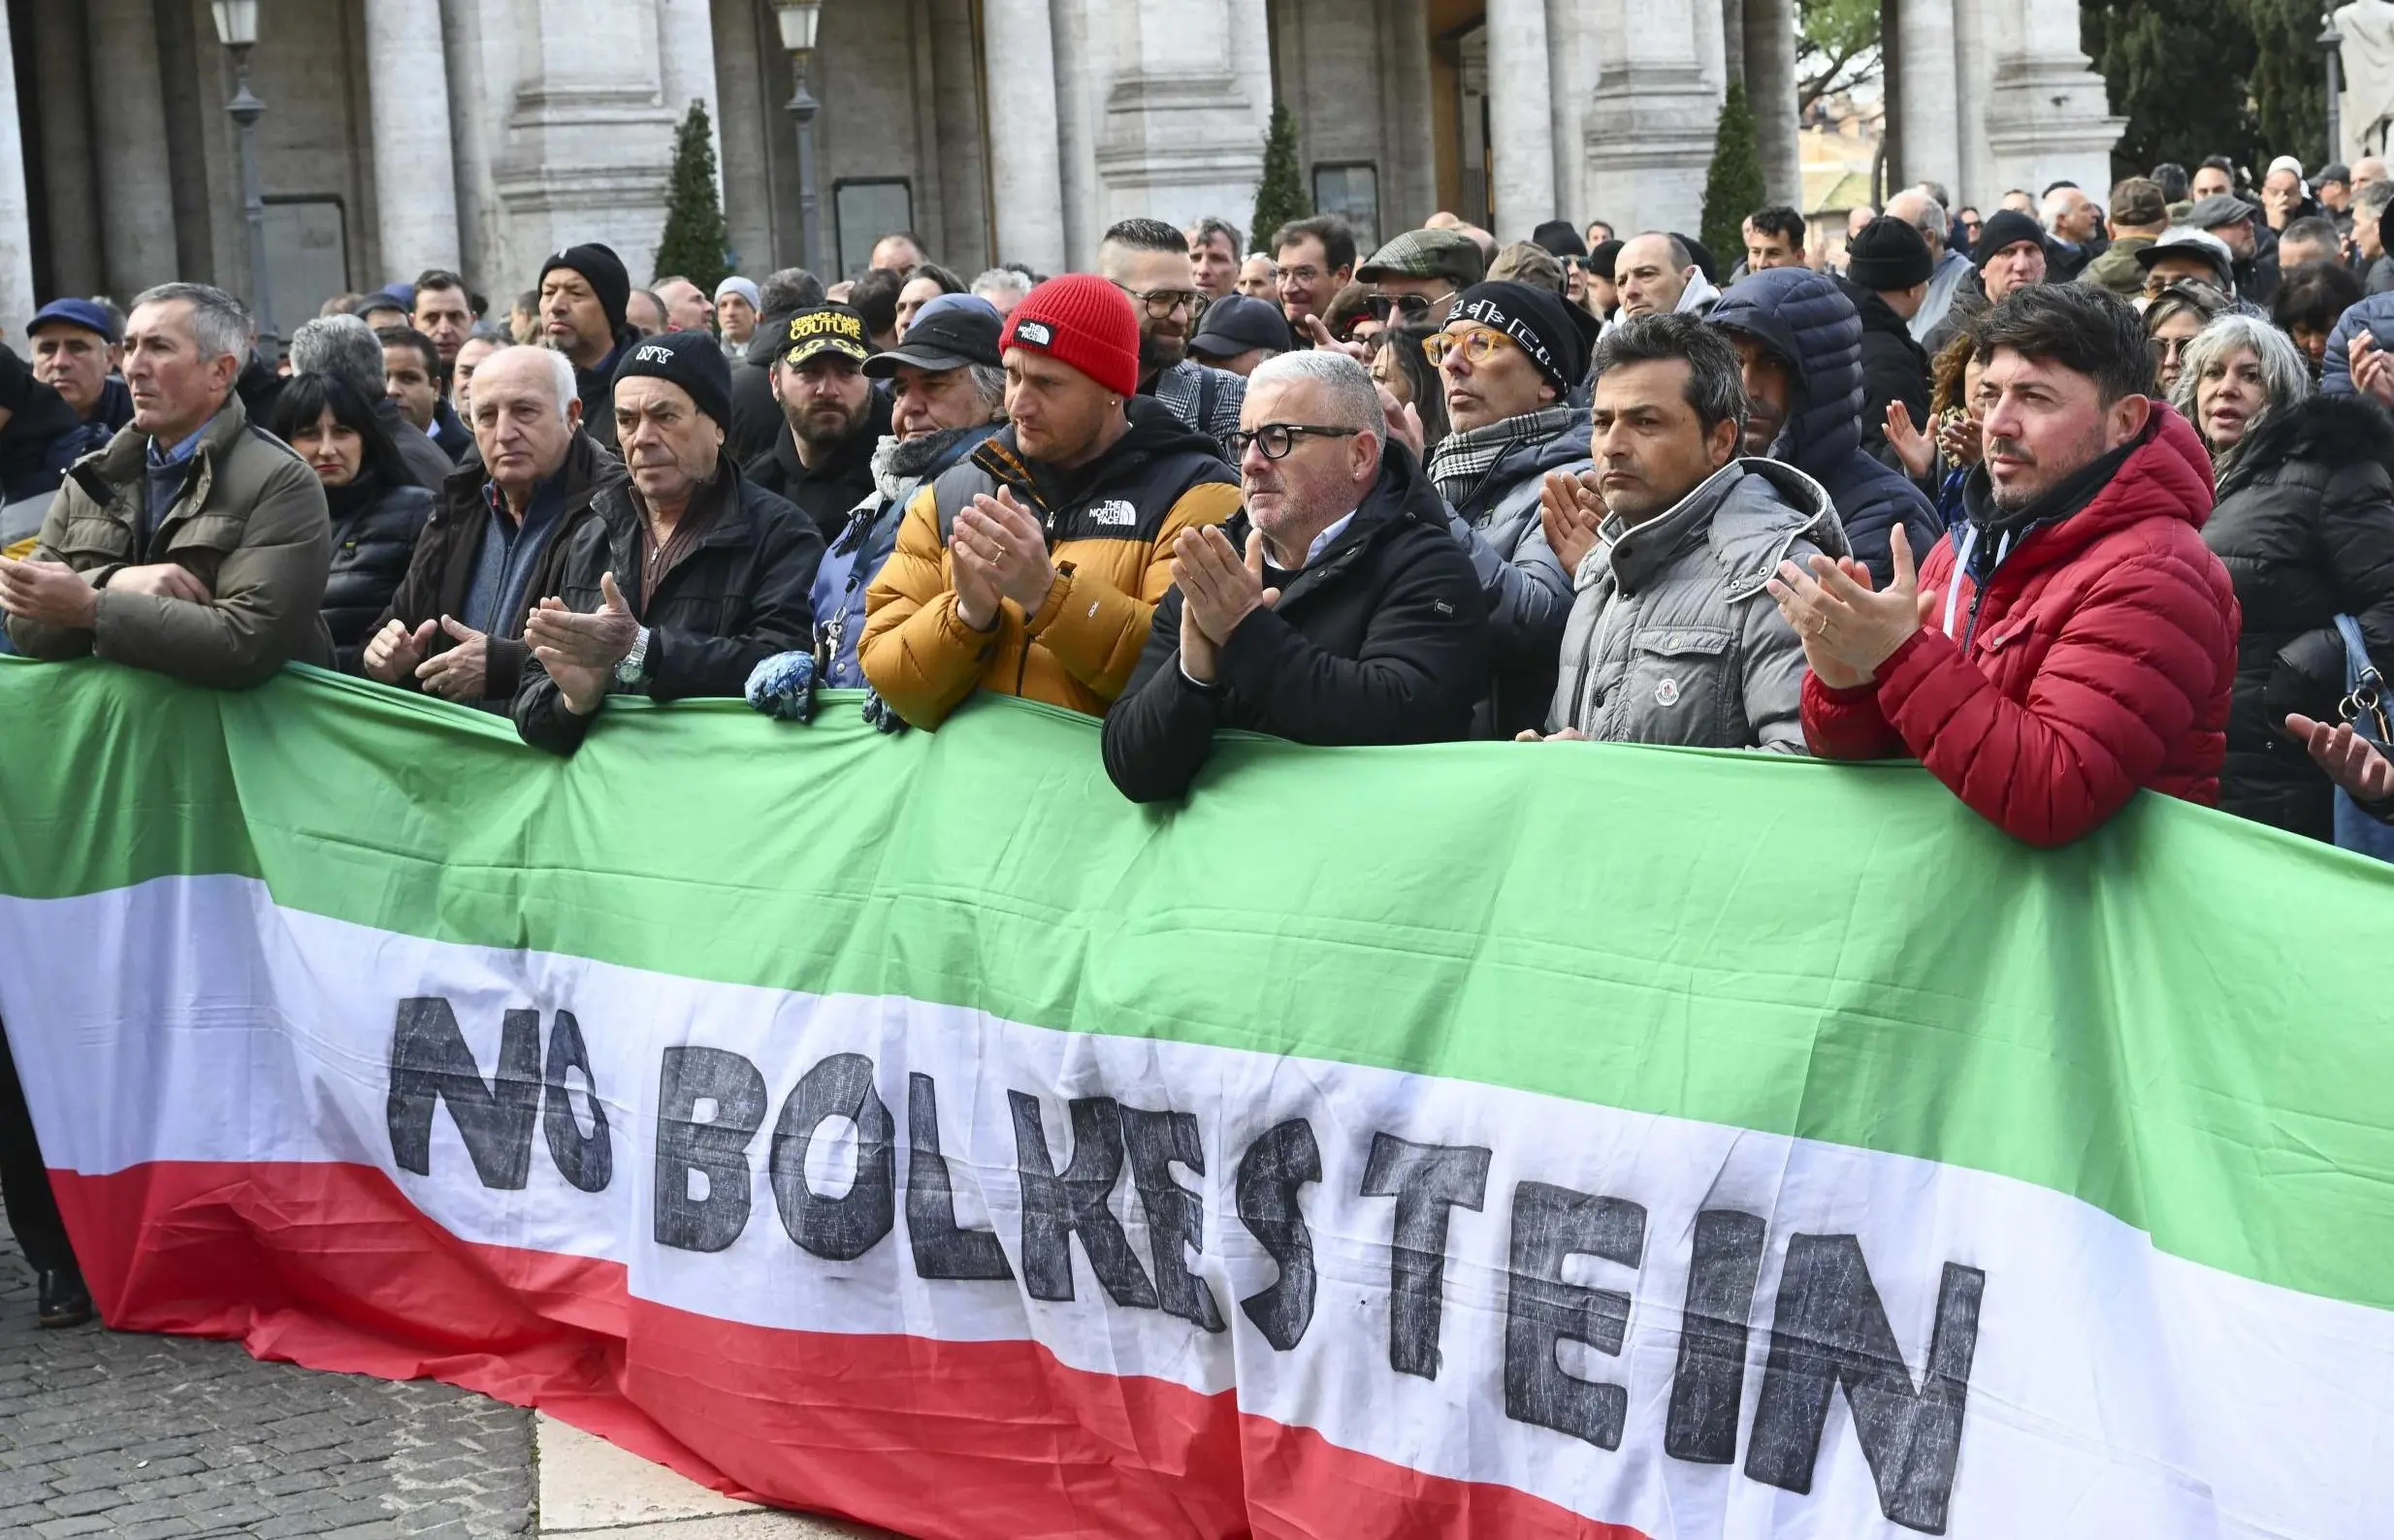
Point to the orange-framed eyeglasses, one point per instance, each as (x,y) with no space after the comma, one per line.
(1477,344)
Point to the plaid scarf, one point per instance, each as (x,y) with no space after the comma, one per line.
(1461,460)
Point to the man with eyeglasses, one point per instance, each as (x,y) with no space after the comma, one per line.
(1508,358)
(1316,259)
(1415,275)
(1147,260)
(1335,610)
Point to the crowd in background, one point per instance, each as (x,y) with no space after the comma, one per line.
(2084,495)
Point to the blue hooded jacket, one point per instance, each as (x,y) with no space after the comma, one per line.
(1802,317)
(2336,368)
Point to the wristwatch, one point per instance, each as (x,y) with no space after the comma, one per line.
(635,664)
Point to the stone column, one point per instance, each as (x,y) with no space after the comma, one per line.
(1971,44)
(1651,130)
(2047,116)
(1520,123)
(1181,97)
(415,168)
(1026,183)
(137,197)
(71,204)
(581,145)
(16,305)
(1931,128)
(1770,86)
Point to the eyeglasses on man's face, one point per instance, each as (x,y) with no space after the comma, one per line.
(1276,439)
(1412,307)
(1475,345)
(1161,302)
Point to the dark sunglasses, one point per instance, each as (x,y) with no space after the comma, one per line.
(1380,306)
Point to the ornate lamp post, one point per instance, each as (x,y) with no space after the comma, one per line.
(236,28)
(798,18)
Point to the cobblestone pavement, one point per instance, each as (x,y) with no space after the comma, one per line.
(148,1437)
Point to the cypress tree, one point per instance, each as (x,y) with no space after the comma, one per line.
(696,237)
(1733,186)
(1280,196)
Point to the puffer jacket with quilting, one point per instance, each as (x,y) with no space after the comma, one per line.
(1673,638)
(2098,659)
(1802,317)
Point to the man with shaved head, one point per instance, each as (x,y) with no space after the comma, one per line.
(1655,274)
(455,628)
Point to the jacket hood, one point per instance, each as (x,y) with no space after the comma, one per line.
(1750,511)
(2332,430)
(1802,317)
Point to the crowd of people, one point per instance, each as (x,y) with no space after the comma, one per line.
(2078,498)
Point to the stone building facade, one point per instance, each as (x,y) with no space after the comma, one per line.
(404,134)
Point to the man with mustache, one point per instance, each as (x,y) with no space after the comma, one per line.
(823,463)
(1147,260)
(2072,640)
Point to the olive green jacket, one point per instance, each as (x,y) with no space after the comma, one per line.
(249,522)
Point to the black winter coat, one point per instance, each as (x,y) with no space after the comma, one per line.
(2305,525)
(742,594)
(1894,368)
(831,492)
(1381,640)
(451,546)
(374,531)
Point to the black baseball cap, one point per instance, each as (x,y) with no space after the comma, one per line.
(942,339)
(1236,323)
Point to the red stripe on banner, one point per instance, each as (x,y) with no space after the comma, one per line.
(331,1266)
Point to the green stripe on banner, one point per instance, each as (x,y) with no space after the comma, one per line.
(2186,1020)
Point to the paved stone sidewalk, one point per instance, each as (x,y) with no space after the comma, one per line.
(151,1438)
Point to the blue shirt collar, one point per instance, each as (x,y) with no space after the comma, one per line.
(184,451)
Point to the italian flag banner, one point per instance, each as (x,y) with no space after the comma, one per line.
(1471,1141)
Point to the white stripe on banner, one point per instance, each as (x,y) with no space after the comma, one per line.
(2110,1390)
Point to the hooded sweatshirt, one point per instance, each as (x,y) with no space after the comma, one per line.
(1814,329)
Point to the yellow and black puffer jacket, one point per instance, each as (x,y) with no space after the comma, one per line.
(1110,530)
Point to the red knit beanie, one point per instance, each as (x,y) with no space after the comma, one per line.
(1082,320)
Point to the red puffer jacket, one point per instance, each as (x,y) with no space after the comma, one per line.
(2102,661)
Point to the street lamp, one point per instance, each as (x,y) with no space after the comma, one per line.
(236,28)
(797,18)
(2331,43)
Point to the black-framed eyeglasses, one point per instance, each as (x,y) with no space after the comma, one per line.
(1276,439)
(1381,306)
(1161,302)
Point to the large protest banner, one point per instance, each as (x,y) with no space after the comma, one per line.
(1470,1141)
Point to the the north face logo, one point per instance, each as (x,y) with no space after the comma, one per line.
(1036,332)
(1115,515)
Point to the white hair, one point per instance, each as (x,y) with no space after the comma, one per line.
(1003,280)
(560,371)
(1353,401)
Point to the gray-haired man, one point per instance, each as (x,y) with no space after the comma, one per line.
(347,348)
(1336,609)
(490,552)
(191,545)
